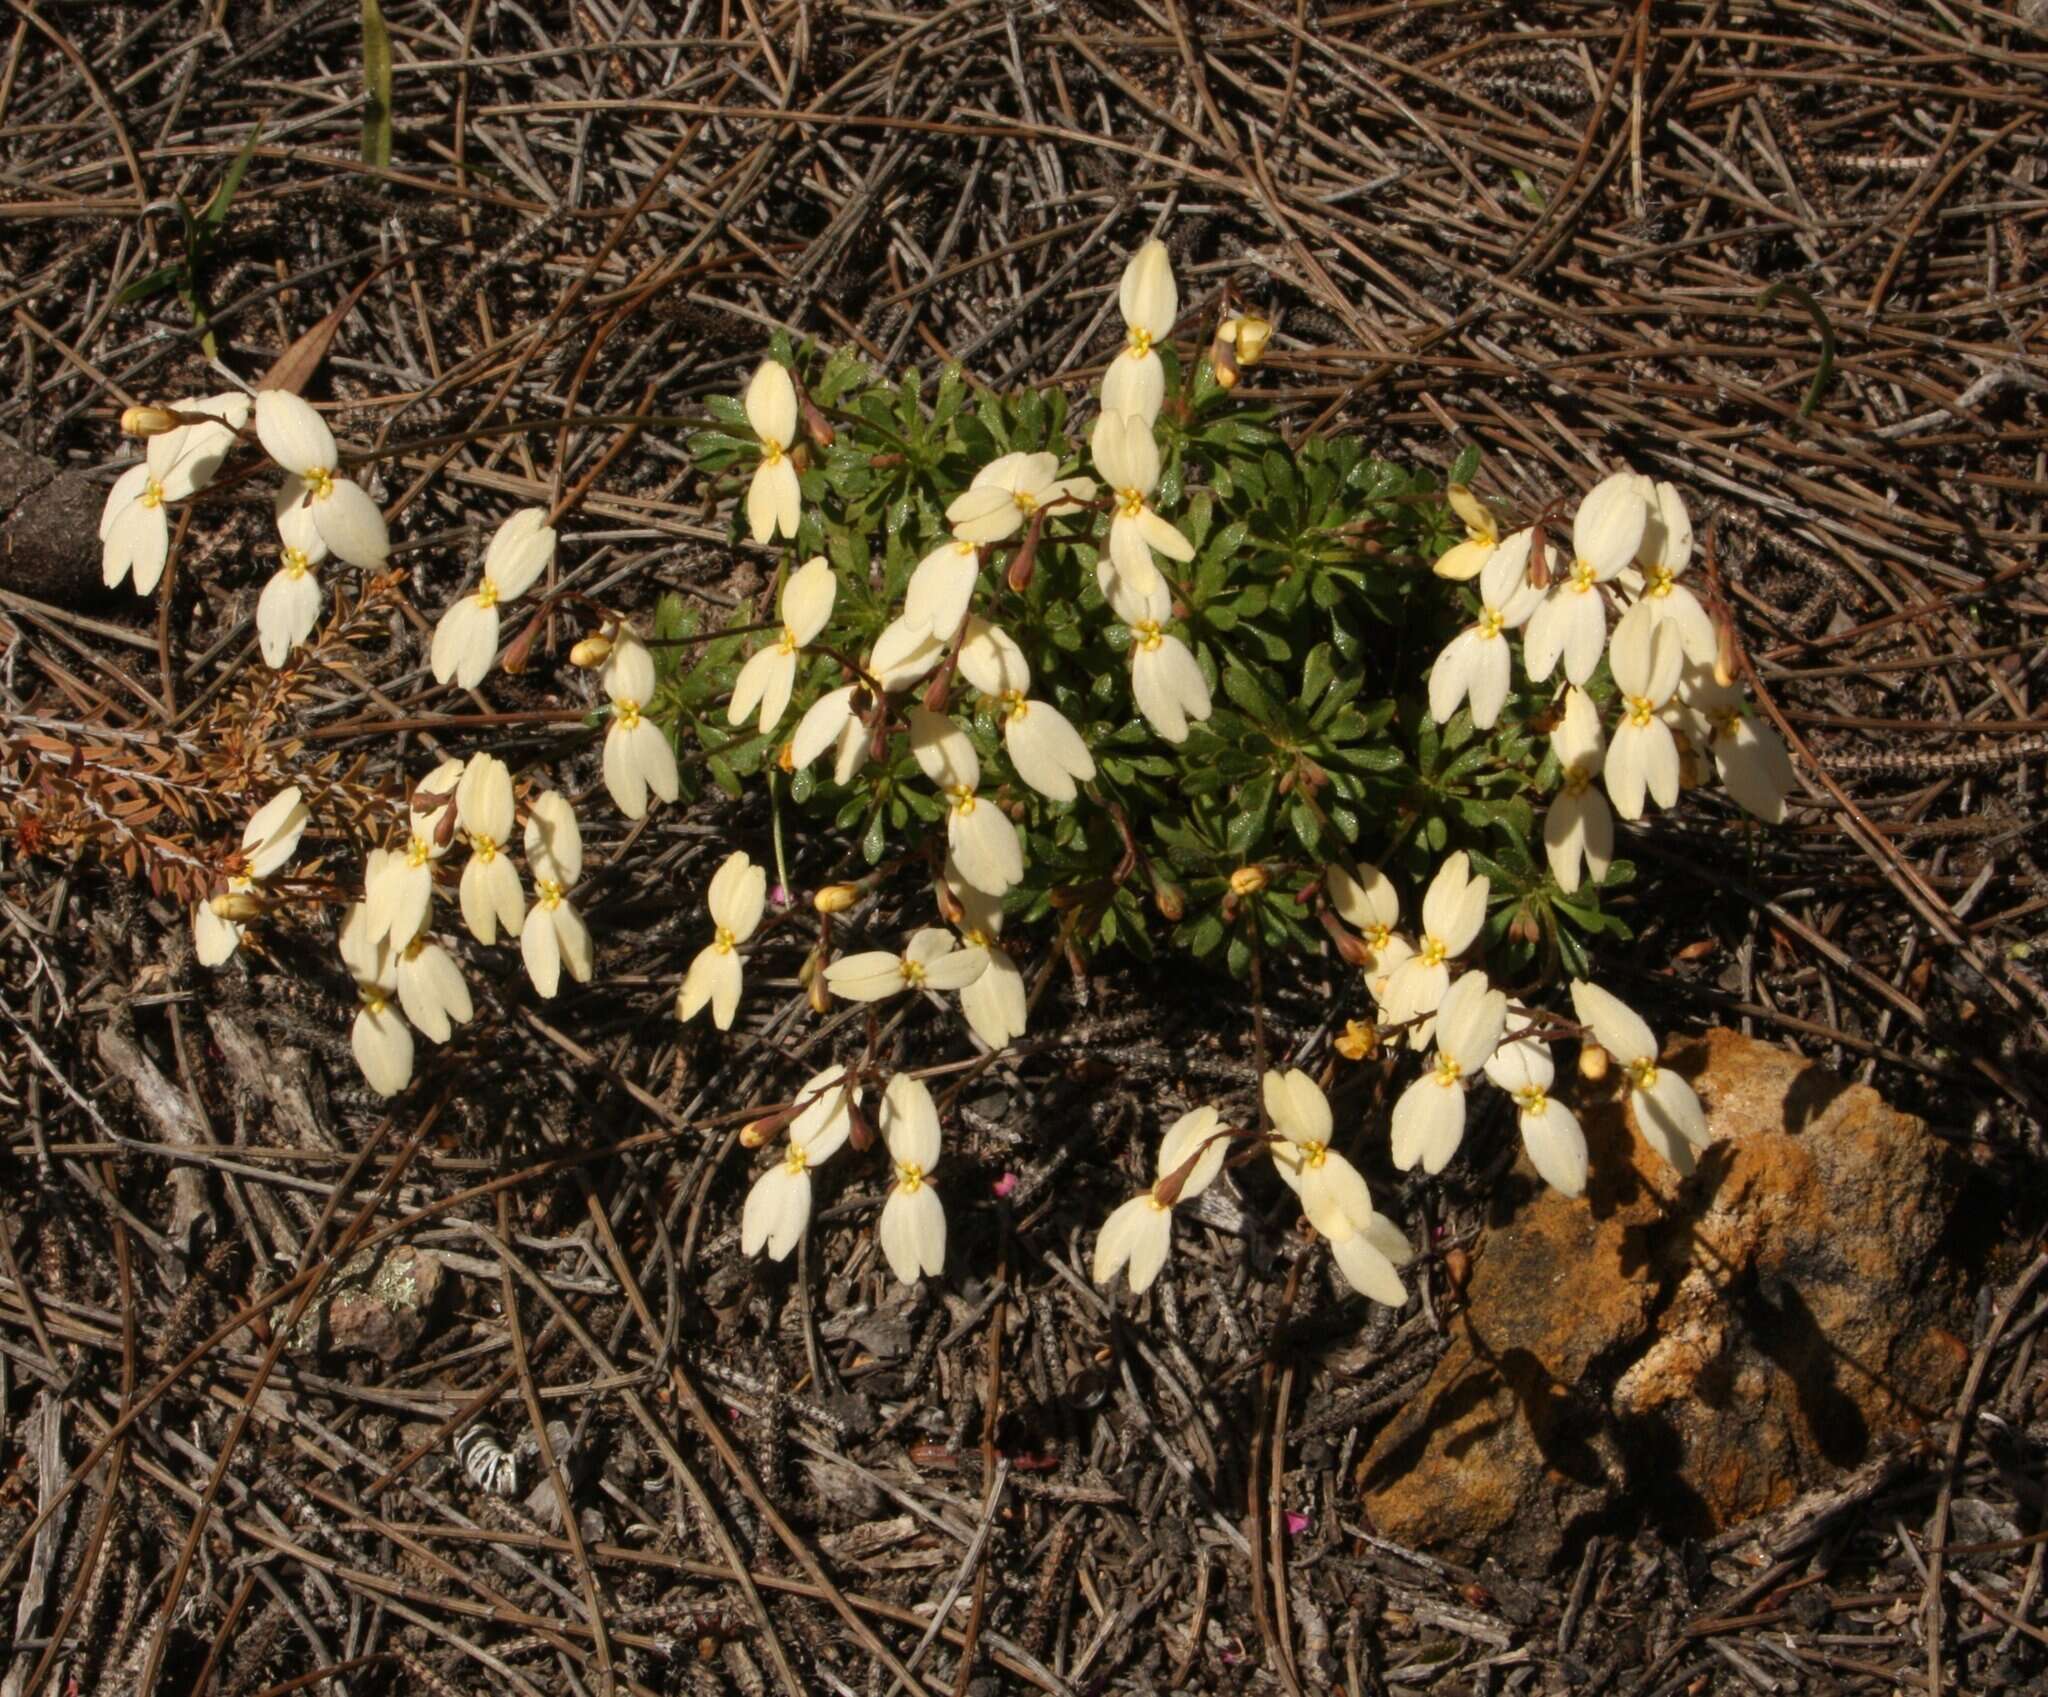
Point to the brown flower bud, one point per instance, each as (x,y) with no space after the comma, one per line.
(816,425)
(1170,899)
(148,421)
(758,1134)
(522,646)
(237,904)
(1248,880)
(836,898)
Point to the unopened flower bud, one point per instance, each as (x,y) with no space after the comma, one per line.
(836,898)
(236,904)
(591,652)
(1248,880)
(1592,1062)
(785,757)
(1350,947)
(859,1132)
(816,425)
(1724,650)
(1223,357)
(1253,333)
(757,1134)
(820,994)
(950,909)
(1170,899)
(522,645)
(148,421)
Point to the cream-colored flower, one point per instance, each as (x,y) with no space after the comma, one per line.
(774,497)
(931,960)
(1042,744)
(1578,828)
(1369,904)
(466,639)
(398,896)
(913,1225)
(1572,622)
(995,1001)
(906,653)
(269,841)
(1128,459)
(1166,681)
(638,760)
(297,438)
(554,935)
(1368,1248)
(1550,1131)
(135,532)
(1646,659)
(831,723)
(380,1038)
(737,898)
(1429,1117)
(1751,759)
(984,844)
(1007,491)
(767,679)
(1667,1109)
(1150,303)
(1468,558)
(1475,662)
(431,989)
(778,1206)
(1136,1239)
(1453,910)
(491,894)
(940,591)
(1664,557)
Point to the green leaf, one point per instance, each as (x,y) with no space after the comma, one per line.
(216,211)
(376,87)
(1254,814)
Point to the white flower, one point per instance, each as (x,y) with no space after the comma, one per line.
(940,591)
(774,498)
(831,723)
(1128,459)
(431,989)
(1664,556)
(1453,910)
(491,894)
(637,755)
(1149,302)
(1007,491)
(1466,559)
(1429,1118)
(1137,1237)
(1572,622)
(1752,762)
(1046,750)
(135,534)
(381,1039)
(399,894)
(269,840)
(1368,1248)
(1667,1110)
(1578,826)
(984,843)
(769,676)
(929,961)
(913,1228)
(906,652)
(554,934)
(297,438)
(1550,1131)
(1166,682)
(1475,662)
(1645,658)
(995,1001)
(779,1205)
(1367,903)
(466,639)
(738,893)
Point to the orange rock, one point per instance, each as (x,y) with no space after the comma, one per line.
(1687,1354)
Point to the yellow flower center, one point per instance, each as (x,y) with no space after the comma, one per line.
(319,482)
(1640,710)
(963,799)
(627,713)
(1130,502)
(412,949)
(909,1177)
(1446,1072)
(1582,578)
(1158,1207)
(1726,723)
(796,1160)
(1146,633)
(1378,936)
(1533,1101)
(1433,951)
(295,563)
(771,451)
(979,939)
(1014,705)
(1026,501)
(913,972)
(1138,343)
(1642,1075)
(487,594)
(723,940)
(1579,779)
(152,493)
(1657,581)
(483,847)
(1489,624)
(419,851)
(1313,1154)
(549,893)
(373,999)
(787,643)
(241,884)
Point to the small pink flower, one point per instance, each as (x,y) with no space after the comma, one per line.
(779,895)
(1297,1523)
(1006,1184)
